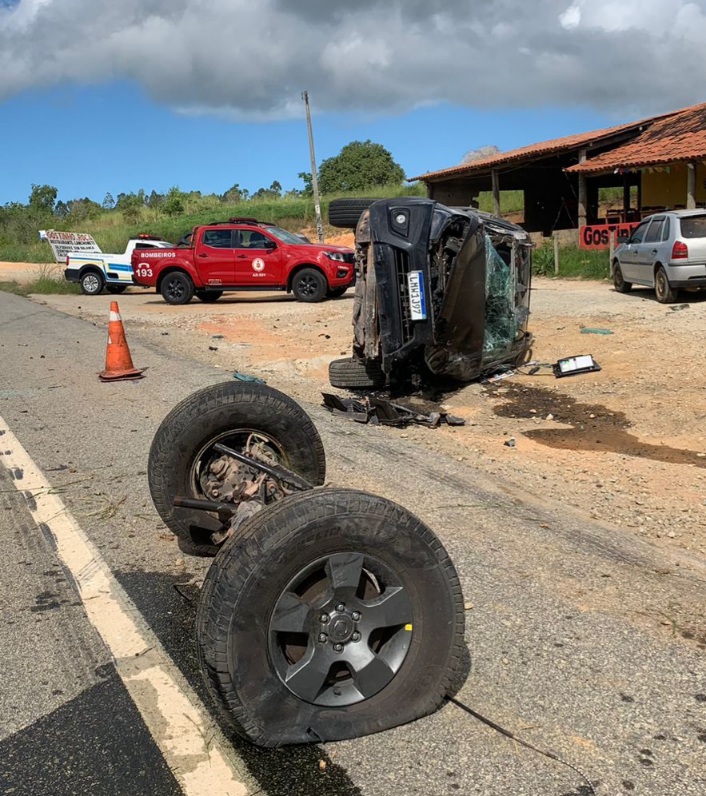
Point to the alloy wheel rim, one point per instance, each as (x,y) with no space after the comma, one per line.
(341,629)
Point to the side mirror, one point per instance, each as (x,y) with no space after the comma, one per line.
(269,244)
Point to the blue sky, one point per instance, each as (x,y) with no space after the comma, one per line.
(92,140)
(98,96)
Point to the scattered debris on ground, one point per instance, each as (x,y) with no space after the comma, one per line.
(379,411)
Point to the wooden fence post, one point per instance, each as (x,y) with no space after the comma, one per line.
(611,252)
(556,255)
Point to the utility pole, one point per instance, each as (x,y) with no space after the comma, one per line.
(314,176)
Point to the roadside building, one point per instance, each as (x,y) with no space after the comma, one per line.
(658,162)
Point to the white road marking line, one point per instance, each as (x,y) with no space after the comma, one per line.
(179,725)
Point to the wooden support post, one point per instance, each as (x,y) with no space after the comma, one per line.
(626,197)
(691,185)
(496,191)
(582,192)
(556,254)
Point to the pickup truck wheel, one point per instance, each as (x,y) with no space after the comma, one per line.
(116,288)
(241,415)
(355,373)
(309,285)
(208,296)
(177,288)
(91,283)
(332,615)
(337,292)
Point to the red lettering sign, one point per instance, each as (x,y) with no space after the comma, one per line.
(597,236)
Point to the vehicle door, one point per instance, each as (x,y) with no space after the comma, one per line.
(649,251)
(628,254)
(259,259)
(215,257)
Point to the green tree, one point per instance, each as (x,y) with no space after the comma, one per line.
(174,201)
(130,205)
(43,198)
(233,194)
(108,202)
(359,165)
(306,178)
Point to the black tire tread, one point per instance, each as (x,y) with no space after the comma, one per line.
(345,213)
(355,373)
(236,563)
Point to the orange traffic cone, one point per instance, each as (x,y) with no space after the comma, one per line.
(118,362)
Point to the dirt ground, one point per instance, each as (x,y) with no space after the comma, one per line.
(626,445)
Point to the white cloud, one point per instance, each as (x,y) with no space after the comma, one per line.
(251,60)
(571,18)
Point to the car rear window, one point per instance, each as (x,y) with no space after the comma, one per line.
(694,227)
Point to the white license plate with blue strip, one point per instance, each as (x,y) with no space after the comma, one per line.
(417,296)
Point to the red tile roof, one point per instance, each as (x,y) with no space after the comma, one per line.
(678,138)
(555,146)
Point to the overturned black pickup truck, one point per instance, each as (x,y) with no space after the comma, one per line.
(439,290)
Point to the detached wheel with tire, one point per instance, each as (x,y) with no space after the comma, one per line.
(619,283)
(355,373)
(177,288)
(309,285)
(664,292)
(242,416)
(208,296)
(116,289)
(332,615)
(92,283)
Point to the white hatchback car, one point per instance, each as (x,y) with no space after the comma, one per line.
(667,251)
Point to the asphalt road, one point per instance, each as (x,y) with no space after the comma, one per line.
(584,642)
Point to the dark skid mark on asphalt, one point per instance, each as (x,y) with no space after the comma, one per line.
(290,771)
(605,432)
(95,744)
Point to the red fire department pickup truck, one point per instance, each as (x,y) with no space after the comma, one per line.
(244,254)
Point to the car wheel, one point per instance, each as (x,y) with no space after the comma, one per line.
(355,373)
(309,285)
(337,292)
(208,296)
(334,614)
(242,416)
(91,283)
(345,213)
(664,292)
(619,283)
(116,289)
(177,288)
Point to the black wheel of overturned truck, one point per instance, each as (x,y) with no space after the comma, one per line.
(309,285)
(253,419)
(208,296)
(177,288)
(91,283)
(354,373)
(116,289)
(332,615)
(345,213)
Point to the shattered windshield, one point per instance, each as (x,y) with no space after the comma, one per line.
(505,315)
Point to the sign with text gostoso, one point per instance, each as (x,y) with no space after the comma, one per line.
(64,242)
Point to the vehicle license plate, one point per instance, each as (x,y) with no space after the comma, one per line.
(417,296)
